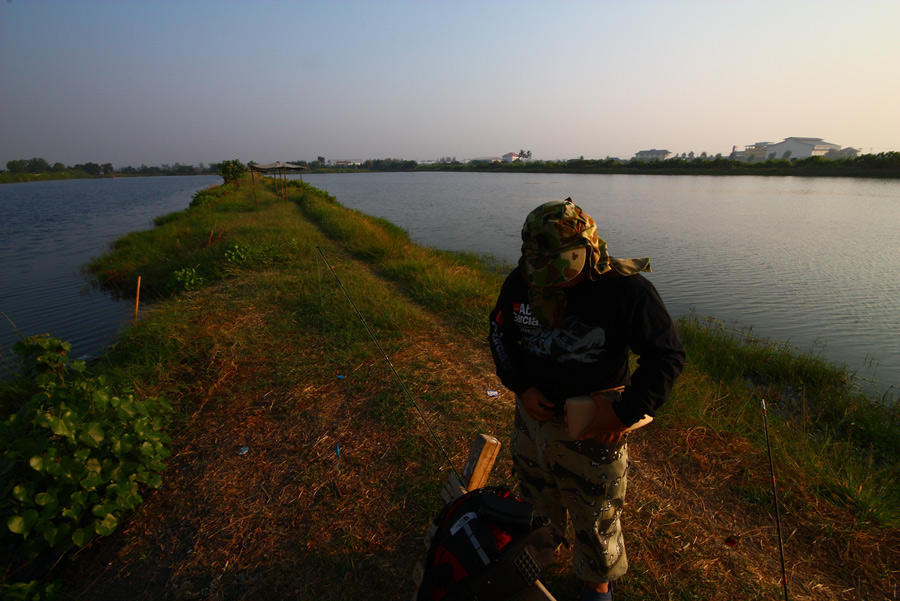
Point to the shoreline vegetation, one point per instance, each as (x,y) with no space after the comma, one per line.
(884,165)
(38,169)
(295,467)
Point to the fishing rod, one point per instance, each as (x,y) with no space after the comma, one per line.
(775,498)
(391,365)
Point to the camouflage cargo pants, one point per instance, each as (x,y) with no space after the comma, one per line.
(581,481)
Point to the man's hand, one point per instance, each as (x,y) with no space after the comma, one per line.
(606,426)
(536,404)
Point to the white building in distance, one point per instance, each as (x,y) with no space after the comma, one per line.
(800,148)
(652,155)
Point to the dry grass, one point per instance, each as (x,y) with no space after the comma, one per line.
(304,490)
(340,476)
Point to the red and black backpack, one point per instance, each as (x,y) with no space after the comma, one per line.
(489,545)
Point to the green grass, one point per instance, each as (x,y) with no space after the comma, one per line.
(843,443)
(461,286)
(268,332)
(849,448)
(846,432)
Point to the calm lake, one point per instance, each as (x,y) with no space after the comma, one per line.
(810,261)
(50,229)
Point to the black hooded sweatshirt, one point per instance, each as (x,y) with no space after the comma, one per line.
(603,320)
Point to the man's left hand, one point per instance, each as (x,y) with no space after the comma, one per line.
(606,426)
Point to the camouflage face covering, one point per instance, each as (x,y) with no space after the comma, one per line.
(559,241)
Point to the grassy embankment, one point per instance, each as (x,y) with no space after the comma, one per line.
(300,470)
(12,178)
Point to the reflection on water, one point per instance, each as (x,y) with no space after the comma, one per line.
(811,261)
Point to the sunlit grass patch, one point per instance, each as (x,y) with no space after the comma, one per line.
(842,443)
(459,286)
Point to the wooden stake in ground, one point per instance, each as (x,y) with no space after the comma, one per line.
(137,299)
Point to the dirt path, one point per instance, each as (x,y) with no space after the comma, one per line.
(308,490)
(291,492)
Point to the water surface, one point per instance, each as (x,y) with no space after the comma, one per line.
(810,261)
(49,230)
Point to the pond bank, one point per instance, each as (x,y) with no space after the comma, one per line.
(299,470)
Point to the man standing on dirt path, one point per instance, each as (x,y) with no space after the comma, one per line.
(564,322)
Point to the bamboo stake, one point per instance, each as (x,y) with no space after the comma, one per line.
(137,299)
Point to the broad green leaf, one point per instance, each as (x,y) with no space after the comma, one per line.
(92,480)
(37,463)
(59,427)
(101,398)
(77,470)
(126,444)
(49,512)
(54,535)
(127,407)
(23,523)
(73,513)
(83,536)
(42,498)
(107,525)
(132,499)
(50,534)
(92,435)
(16,524)
(55,468)
(21,493)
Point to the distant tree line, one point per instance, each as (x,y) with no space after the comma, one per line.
(166,169)
(39,168)
(389,164)
(884,164)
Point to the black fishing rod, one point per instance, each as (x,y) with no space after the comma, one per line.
(775,498)
(391,365)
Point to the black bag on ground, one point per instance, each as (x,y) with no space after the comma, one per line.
(489,545)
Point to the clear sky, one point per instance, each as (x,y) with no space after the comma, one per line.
(190,81)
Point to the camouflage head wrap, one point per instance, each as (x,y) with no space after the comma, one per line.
(559,241)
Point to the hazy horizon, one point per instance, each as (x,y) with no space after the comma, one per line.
(200,82)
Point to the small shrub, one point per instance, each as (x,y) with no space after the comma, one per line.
(209,195)
(184,280)
(75,455)
(238,254)
(232,171)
